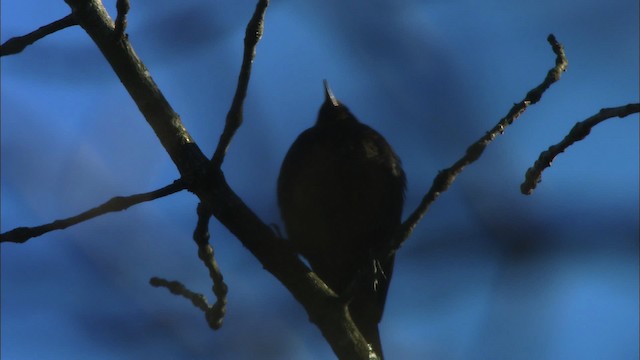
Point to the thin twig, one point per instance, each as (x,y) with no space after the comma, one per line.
(254,32)
(122,6)
(579,131)
(215,314)
(176,287)
(446,177)
(19,43)
(118,203)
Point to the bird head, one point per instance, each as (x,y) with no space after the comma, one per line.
(332,110)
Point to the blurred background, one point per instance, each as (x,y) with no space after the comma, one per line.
(488,274)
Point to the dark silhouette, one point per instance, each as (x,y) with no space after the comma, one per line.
(341,191)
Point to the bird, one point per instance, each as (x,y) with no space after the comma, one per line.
(341,191)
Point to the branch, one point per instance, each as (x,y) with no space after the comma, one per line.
(118,203)
(176,287)
(579,131)
(166,124)
(214,314)
(324,307)
(254,32)
(19,43)
(446,177)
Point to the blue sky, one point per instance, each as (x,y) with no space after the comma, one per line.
(488,274)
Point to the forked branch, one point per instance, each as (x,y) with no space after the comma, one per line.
(446,177)
(214,314)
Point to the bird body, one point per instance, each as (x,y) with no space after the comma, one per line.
(340,192)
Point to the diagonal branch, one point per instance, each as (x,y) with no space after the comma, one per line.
(579,131)
(446,177)
(135,77)
(17,44)
(254,32)
(118,203)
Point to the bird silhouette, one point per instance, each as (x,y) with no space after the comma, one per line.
(341,191)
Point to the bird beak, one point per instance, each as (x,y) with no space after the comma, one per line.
(328,95)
